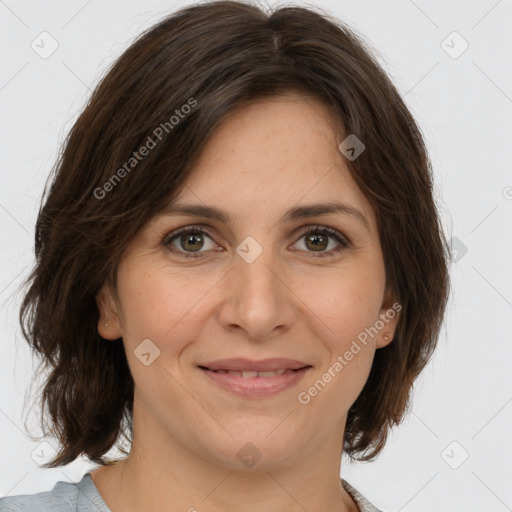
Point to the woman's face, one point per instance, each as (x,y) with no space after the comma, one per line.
(254,286)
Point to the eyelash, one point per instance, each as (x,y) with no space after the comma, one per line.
(199,230)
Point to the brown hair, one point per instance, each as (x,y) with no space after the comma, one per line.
(215,57)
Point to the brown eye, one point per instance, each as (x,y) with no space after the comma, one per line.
(187,241)
(317,241)
(191,242)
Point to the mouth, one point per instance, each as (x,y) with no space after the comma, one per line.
(252,379)
(253,374)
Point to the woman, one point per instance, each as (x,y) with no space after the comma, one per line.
(240,269)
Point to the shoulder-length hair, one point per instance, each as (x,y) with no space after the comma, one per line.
(167,93)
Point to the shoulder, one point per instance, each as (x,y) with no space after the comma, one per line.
(363,504)
(64,497)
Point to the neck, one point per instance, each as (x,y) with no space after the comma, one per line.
(163,474)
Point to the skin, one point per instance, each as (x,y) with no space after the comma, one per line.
(265,158)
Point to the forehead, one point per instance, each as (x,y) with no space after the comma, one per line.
(283,127)
(273,154)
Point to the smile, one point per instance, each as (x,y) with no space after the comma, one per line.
(253,384)
(249,374)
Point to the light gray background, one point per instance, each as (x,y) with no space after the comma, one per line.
(464,108)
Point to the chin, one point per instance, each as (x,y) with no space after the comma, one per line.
(257,452)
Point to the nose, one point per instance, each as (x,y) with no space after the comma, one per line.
(257,299)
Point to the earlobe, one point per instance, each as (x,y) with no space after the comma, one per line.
(108,321)
(387,334)
(389,315)
(384,339)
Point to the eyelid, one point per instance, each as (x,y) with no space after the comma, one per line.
(185,229)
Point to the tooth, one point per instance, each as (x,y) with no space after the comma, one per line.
(252,374)
(267,374)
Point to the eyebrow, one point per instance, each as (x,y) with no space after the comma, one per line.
(295,213)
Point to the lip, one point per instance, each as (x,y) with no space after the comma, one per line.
(263,365)
(256,387)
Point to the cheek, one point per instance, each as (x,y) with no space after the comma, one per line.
(345,309)
(346,303)
(162,305)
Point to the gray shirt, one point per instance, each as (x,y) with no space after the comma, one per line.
(83,496)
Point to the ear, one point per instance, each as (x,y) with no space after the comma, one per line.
(389,315)
(109,326)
